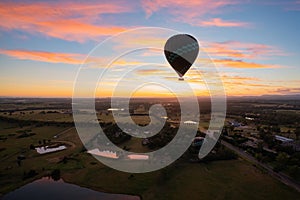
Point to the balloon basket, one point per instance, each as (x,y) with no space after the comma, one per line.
(181,79)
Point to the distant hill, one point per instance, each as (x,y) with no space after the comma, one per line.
(282,97)
(267,97)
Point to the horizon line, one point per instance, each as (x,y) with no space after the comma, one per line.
(141,97)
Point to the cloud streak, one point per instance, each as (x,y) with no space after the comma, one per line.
(43,56)
(66,58)
(71,21)
(80,22)
(188,9)
(218,22)
(75,58)
(242,64)
(239,50)
(193,12)
(145,72)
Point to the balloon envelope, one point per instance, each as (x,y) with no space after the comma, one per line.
(181,51)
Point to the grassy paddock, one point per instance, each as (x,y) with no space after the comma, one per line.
(217,180)
(235,179)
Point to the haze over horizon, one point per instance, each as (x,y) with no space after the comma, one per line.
(254,44)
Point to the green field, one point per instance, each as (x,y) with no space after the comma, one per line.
(233,179)
(218,180)
(39,115)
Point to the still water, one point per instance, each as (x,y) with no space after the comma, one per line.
(46,189)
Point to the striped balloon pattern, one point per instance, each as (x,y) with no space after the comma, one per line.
(181,51)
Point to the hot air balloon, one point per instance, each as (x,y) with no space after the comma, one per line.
(181,51)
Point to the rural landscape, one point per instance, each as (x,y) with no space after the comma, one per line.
(265,130)
(149,100)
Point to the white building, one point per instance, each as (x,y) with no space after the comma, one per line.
(190,123)
(283,139)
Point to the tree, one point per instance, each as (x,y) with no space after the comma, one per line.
(281,161)
(224,130)
(282,158)
(275,129)
(258,156)
(260,147)
(31,146)
(55,174)
(294,171)
(297,133)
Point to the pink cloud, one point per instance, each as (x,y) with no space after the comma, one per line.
(236,49)
(59,57)
(72,21)
(190,11)
(221,23)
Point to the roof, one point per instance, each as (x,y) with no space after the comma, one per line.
(43,150)
(138,157)
(106,153)
(283,139)
(190,122)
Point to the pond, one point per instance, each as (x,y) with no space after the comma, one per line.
(46,189)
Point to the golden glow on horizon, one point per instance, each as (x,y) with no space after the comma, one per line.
(235,86)
(72,25)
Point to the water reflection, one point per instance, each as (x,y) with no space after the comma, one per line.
(47,188)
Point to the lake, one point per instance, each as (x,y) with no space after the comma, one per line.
(46,189)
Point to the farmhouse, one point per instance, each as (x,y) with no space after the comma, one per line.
(46,149)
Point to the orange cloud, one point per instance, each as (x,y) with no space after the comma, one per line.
(218,50)
(221,23)
(288,90)
(237,85)
(239,78)
(242,64)
(76,31)
(67,58)
(72,21)
(145,72)
(235,49)
(43,56)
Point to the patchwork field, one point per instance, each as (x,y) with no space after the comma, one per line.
(216,180)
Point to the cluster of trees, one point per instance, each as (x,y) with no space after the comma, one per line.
(55,174)
(115,134)
(288,163)
(267,137)
(30,174)
(25,134)
(48,112)
(286,159)
(41,143)
(235,140)
(219,152)
(275,118)
(162,138)
(37,123)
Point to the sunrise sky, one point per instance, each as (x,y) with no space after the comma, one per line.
(255,44)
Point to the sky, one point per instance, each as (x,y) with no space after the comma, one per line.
(254,45)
